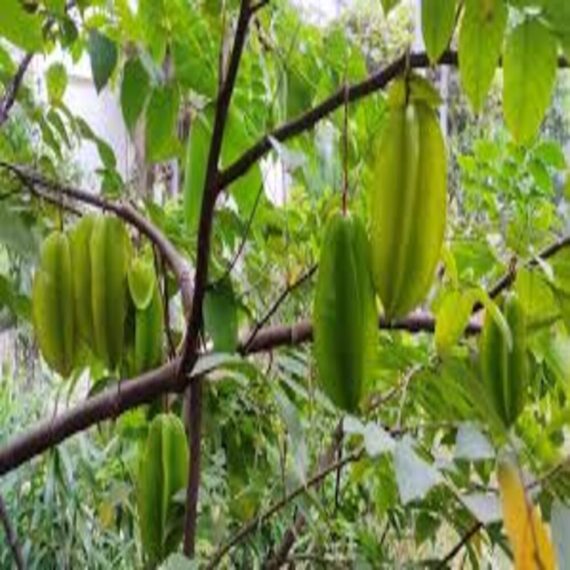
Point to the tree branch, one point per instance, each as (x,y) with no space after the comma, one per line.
(11,536)
(374,82)
(145,388)
(277,303)
(9,98)
(465,539)
(191,339)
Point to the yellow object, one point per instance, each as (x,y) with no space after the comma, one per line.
(528,535)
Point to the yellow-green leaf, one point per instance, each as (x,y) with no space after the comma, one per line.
(438,18)
(142,281)
(480,41)
(529,73)
(20,27)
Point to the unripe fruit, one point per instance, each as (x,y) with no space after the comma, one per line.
(505,372)
(408,203)
(110,250)
(344,314)
(149,325)
(52,304)
(80,240)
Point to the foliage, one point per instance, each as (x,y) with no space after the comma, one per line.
(421,451)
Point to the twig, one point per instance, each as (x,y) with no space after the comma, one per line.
(254,523)
(508,279)
(9,98)
(11,536)
(276,304)
(277,558)
(465,539)
(244,237)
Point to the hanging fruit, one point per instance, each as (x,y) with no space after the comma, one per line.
(80,240)
(504,368)
(163,472)
(52,304)
(110,251)
(407,197)
(344,314)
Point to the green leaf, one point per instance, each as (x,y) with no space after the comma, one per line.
(20,27)
(530,65)
(16,235)
(480,41)
(197,150)
(551,154)
(161,122)
(134,91)
(438,19)
(56,80)
(163,472)
(220,316)
(141,280)
(388,5)
(103,55)
(451,319)
(56,5)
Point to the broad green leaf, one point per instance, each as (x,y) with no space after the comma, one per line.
(197,151)
(220,316)
(536,296)
(20,27)
(438,19)
(103,55)
(161,122)
(56,80)
(16,235)
(530,65)
(388,5)
(451,319)
(134,91)
(151,14)
(56,5)
(141,280)
(480,41)
(551,154)
(163,472)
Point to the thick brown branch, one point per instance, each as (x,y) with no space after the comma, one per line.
(143,389)
(9,98)
(191,341)
(374,82)
(11,537)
